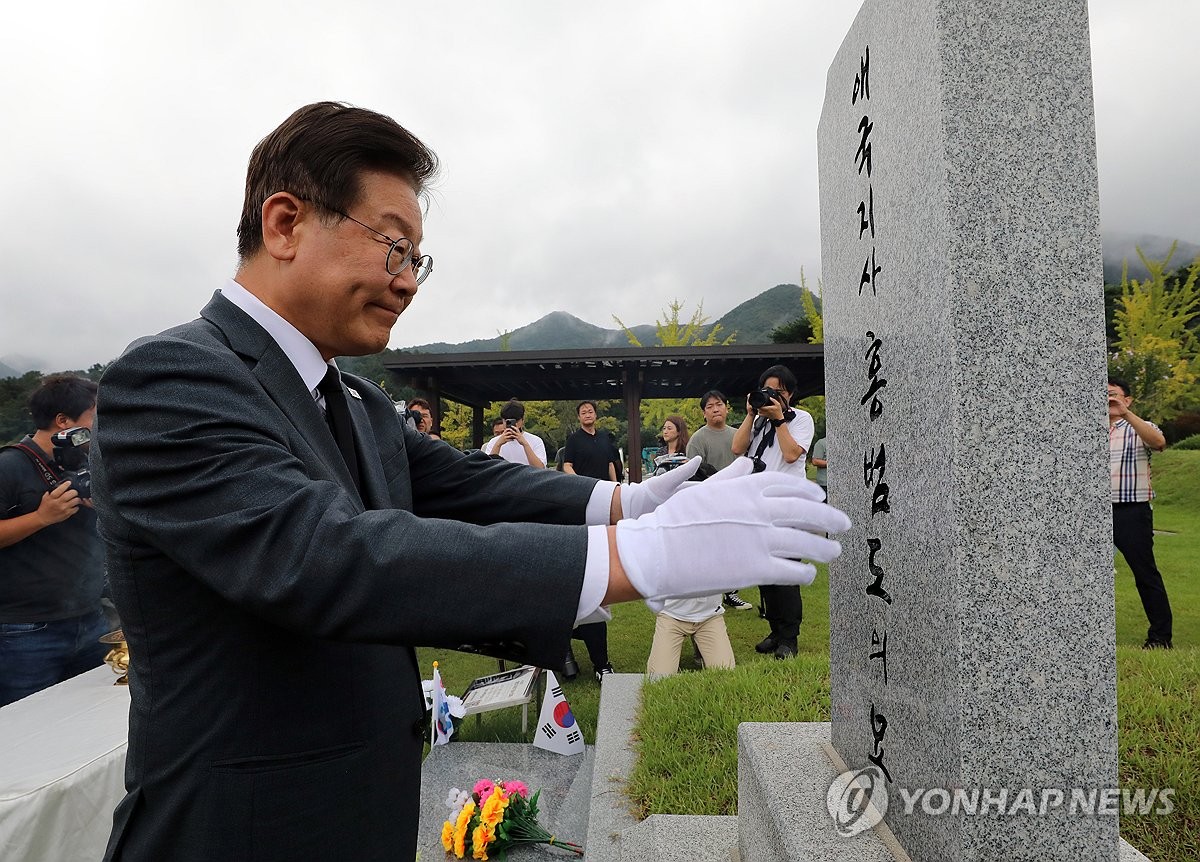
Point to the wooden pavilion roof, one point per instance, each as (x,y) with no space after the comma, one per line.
(477,379)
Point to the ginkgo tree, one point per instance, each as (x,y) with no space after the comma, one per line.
(1156,349)
(673,331)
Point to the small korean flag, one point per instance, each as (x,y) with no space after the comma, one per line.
(557,729)
(443,727)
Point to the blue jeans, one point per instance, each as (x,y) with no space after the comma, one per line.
(34,656)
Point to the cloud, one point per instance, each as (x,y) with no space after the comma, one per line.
(600,160)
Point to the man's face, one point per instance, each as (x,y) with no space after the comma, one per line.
(715,413)
(498,427)
(587,415)
(773,383)
(341,295)
(83,420)
(1118,401)
(424,419)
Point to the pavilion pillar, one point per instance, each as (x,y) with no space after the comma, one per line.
(435,397)
(632,378)
(477,426)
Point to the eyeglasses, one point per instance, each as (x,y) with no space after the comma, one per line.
(400,251)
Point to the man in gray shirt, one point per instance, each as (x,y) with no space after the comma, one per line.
(817,456)
(714,444)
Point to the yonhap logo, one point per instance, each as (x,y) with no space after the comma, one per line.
(857,800)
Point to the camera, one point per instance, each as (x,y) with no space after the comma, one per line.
(760,398)
(409,418)
(71,456)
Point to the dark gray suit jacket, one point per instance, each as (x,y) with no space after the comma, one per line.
(271,611)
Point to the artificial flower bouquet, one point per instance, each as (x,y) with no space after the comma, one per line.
(493,817)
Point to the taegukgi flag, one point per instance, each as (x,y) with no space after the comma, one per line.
(443,726)
(557,729)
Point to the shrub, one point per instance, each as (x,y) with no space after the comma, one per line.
(1192,442)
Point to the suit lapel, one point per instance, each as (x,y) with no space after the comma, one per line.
(370,468)
(282,383)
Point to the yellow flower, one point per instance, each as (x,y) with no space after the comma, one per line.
(492,811)
(480,839)
(447,835)
(460,829)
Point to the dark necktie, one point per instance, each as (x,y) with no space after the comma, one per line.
(337,416)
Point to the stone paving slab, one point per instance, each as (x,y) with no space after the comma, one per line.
(565,783)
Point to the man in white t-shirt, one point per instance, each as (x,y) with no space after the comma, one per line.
(776,436)
(514,443)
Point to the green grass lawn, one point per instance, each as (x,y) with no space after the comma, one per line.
(686,734)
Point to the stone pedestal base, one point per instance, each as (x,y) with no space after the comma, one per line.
(784,774)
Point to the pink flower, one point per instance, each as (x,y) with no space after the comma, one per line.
(483,789)
(512,787)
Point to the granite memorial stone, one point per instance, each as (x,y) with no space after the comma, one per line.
(972,634)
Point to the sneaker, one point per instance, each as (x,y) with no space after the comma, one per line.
(766,645)
(733,600)
(603,671)
(1152,644)
(785,651)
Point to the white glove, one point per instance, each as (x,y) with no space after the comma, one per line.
(742,531)
(638,499)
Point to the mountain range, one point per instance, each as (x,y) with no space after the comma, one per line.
(1122,248)
(753,321)
(16,365)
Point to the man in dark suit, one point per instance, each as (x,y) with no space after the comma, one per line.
(278,540)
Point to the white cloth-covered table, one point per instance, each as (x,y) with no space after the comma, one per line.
(62,769)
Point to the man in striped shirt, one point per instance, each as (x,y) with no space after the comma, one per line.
(1130,441)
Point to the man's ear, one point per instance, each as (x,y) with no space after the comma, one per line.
(282,212)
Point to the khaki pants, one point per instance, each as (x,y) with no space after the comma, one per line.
(711,638)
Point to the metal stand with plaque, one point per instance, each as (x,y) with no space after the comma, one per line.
(516,687)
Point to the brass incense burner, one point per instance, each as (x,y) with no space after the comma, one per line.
(118,656)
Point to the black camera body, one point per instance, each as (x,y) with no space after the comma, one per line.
(760,398)
(406,415)
(71,455)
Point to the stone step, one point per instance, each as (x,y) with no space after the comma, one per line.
(608,813)
(783,777)
(680,838)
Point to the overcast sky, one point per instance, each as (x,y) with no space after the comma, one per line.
(598,158)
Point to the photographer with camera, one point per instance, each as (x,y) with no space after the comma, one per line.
(775,437)
(50,553)
(423,414)
(514,443)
